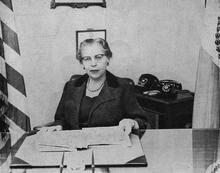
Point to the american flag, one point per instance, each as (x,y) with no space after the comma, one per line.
(206,113)
(12,86)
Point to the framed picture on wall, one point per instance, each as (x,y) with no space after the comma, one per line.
(77,3)
(81,35)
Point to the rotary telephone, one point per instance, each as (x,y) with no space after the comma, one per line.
(149,84)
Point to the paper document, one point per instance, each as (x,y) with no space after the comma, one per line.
(114,154)
(29,154)
(62,140)
(68,140)
(107,135)
(117,154)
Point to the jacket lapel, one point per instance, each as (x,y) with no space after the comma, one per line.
(77,96)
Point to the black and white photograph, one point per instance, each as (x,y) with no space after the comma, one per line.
(109,86)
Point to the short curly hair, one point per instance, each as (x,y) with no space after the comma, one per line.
(100,41)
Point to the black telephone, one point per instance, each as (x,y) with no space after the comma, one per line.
(170,87)
(150,85)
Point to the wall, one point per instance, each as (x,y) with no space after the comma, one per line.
(161,37)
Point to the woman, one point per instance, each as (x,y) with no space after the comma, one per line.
(98,98)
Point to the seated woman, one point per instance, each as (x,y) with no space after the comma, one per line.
(98,98)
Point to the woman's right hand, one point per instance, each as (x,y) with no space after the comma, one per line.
(50,129)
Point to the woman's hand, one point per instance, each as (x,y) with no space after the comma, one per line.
(128,124)
(50,129)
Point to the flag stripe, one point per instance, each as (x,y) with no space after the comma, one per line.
(0,27)
(2,69)
(5,150)
(11,68)
(15,131)
(3,85)
(15,79)
(7,16)
(2,49)
(7,3)
(10,37)
(18,99)
(21,119)
(12,58)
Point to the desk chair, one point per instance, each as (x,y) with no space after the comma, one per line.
(74,77)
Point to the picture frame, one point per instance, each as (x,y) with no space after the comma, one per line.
(77,3)
(81,35)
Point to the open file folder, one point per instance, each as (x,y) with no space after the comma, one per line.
(78,139)
(104,155)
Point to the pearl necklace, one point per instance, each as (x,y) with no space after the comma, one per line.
(95,90)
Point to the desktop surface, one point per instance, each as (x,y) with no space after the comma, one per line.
(110,147)
(167,151)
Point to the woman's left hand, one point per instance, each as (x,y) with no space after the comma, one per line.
(127,125)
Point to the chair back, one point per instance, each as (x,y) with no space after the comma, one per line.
(75,76)
(130,81)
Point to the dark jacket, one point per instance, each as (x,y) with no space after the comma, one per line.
(115,102)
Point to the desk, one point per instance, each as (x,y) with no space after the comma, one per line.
(168,112)
(170,151)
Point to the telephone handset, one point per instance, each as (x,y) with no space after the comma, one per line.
(150,85)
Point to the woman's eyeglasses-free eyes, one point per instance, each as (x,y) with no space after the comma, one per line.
(97,58)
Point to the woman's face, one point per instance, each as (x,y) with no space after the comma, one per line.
(94,61)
